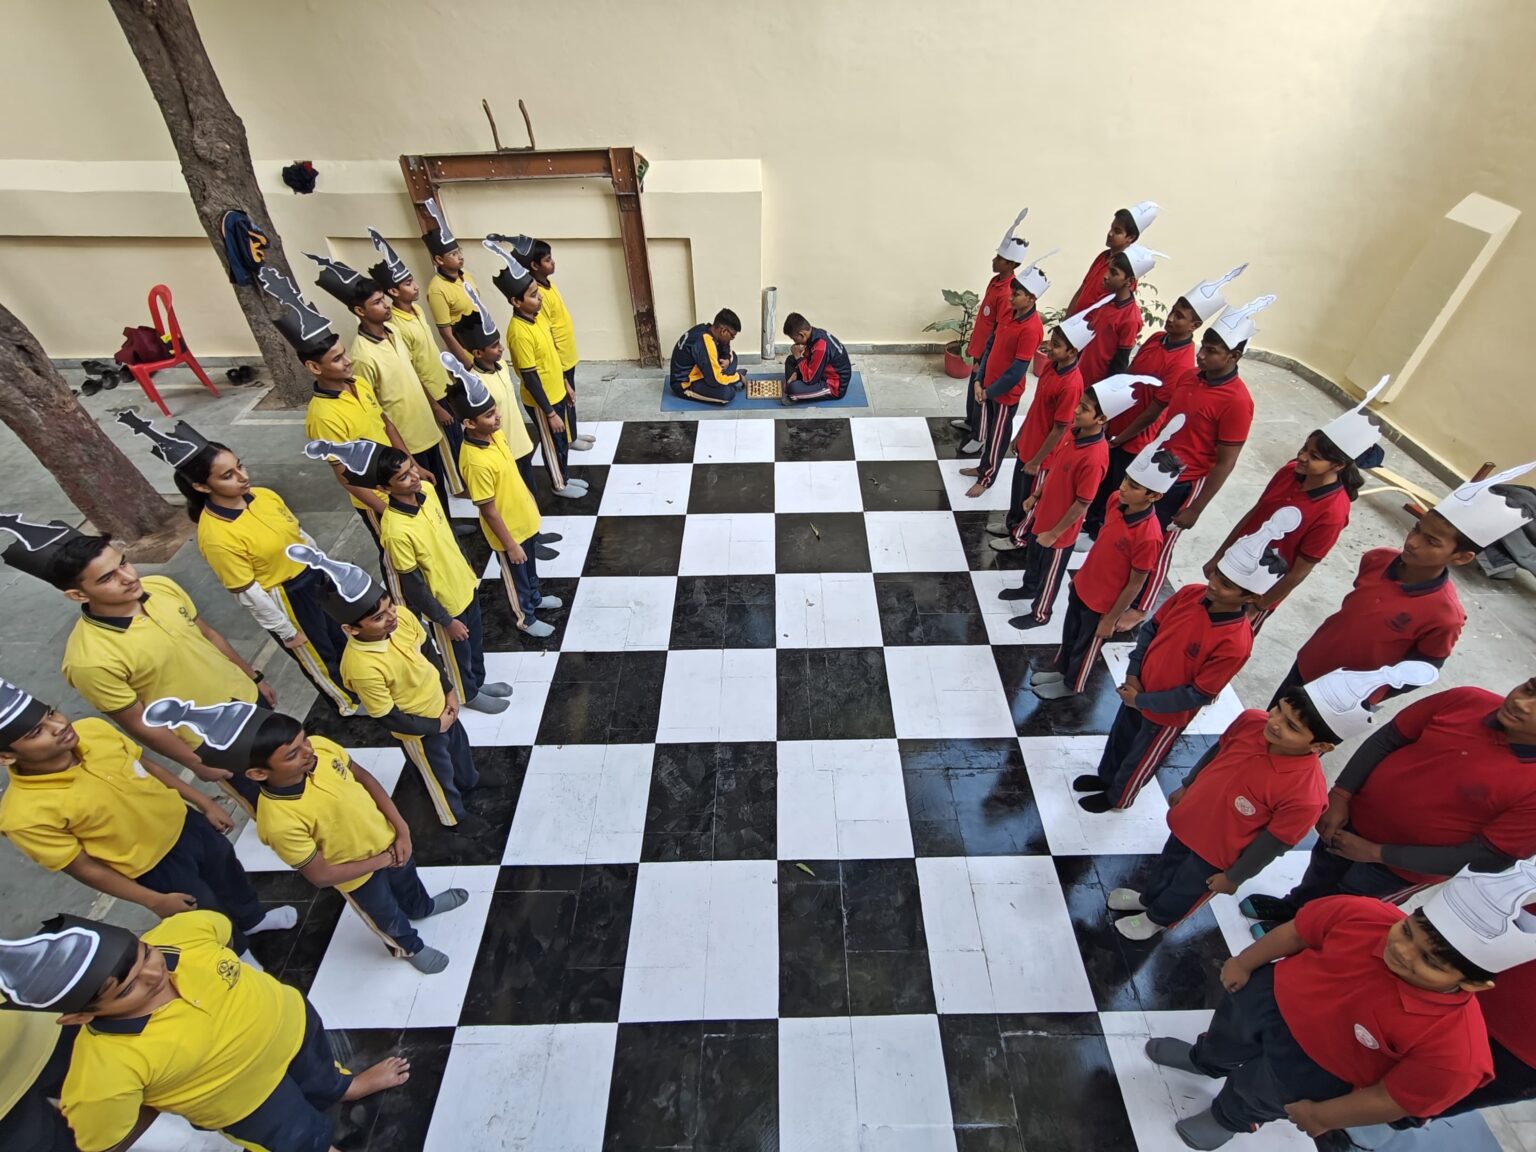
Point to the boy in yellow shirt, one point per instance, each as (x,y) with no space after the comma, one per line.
(447,294)
(82,800)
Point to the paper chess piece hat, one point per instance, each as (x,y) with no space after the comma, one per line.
(513,280)
(1206,297)
(1483,915)
(439,239)
(1142,259)
(1236,326)
(344,283)
(1342,696)
(476,330)
(1031,277)
(1076,329)
(35,545)
(20,712)
(64,967)
(307,331)
(1353,433)
(1481,513)
(1155,467)
(1143,212)
(1013,246)
(358,458)
(353,593)
(391,269)
(1117,394)
(175,447)
(521,245)
(228,730)
(467,396)
(1252,563)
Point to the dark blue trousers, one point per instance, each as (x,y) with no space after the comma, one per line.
(469,653)
(1134,751)
(202,863)
(32,1123)
(452,765)
(1177,883)
(295,1117)
(392,898)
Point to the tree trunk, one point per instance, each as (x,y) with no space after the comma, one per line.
(215,157)
(38,406)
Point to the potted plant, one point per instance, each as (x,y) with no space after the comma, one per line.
(1049,318)
(955,363)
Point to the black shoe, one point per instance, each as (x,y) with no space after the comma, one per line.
(542,553)
(550,537)
(1017,593)
(1027,622)
(1095,802)
(1088,782)
(98,367)
(90,387)
(1260,907)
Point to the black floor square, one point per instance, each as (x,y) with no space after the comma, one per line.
(902,486)
(946,440)
(834,694)
(604,698)
(596,476)
(722,489)
(656,442)
(1089,714)
(805,440)
(294,956)
(500,625)
(928,608)
(970,798)
(723,612)
(820,542)
(357,731)
(980,556)
(635,546)
(481,836)
(712,802)
(400,1117)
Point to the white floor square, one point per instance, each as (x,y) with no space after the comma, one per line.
(719,694)
(575,534)
(841,800)
(607,433)
(617,613)
(1283,873)
(914,542)
(994,499)
(826,610)
(816,486)
(734,442)
(996,613)
(530,674)
(582,804)
(385,764)
(730,544)
(1052,763)
(892,438)
(942,692)
(1212,720)
(646,490)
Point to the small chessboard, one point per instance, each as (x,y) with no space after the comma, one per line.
(765,389)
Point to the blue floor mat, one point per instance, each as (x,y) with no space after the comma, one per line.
(852,397)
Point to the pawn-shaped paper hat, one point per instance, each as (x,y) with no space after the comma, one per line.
(228,730)
(1031,277)
(513,280)
(1483,515)
(175,447)
(476,330)
(1251,563)
(306,330)
(35,544)
(1013,246)
(1142,259)
(1483,915)
(1076,329)
(20,712)
(1353,433)
(1117,394)
(440,239)
(65,966)
(1155,467)
(391,269)
(1341,696)
(340,281)
(358,458)
(1206,297)
(1236,326)
(1144,212)
(353,593)
(467,396)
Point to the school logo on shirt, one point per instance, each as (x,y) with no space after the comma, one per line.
(1192,650)
(1244,805)
(1400,622)
(229,970)
(1362,1035)
(185,615)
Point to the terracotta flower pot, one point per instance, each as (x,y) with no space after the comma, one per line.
(1037,365)
(955,365)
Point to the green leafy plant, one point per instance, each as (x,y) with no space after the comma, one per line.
(1153,310)
(968,303)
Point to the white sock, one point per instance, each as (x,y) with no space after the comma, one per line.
(247,958)
(276,920)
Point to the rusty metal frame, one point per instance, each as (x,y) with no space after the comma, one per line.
(425,175)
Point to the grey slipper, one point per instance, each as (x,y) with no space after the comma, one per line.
(551,602)
(1171,1052)
(485,702)
(1203,1131)
(1049,676)
(1053,690)
(538,629)
(448,899)
(496,688)
(429,961)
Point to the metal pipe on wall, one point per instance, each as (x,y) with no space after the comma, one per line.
(770,329)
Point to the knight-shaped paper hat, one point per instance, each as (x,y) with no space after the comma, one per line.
(513,280)
(353,593)
(340,281)
(306,330)
(1076,329)
(176,447)
(1013,246)
(1031,277)
(1206,297)
(1353,433)
(20,712)
(467,396)
(1142,259)
(1481,513)
(391,269)
(521,245)
(227,730)
(1251,563)
(476,330)
(1117,394)
(1341,697)
(1236,326)
(358,458)
(1143,212)
(65,966)
(1155,467)
(440,239)
(35,544)
(1483,915)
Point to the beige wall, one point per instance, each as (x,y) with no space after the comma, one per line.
(1316,140)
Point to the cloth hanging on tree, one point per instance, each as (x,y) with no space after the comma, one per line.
(245,247)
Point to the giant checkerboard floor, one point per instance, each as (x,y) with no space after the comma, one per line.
(775,848)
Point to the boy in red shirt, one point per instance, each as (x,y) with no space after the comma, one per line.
(1184,656)
(994,302)
(1508,1009)
(1125,228)
(1117,326)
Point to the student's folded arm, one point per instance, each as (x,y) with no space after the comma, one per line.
(1363,1106)
(266,611)
(1377,747)
(1261,851)
(94,874)
(535,388)
(398,721)
(1008,379)
(1144,636)
(706,357)
(1118,362)
(813,369)
(323,874)
(419,598)
(1445,859)
(1180,699)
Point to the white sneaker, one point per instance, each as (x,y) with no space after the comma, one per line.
(1003,544)
(580,445)
(971,447)
(963,425)
(1125,900)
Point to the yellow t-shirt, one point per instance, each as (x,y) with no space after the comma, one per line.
(107,805)
(490,474)
(423,539)
(27,1039)
(530,345)
(248,546)
(499,385)
(446,299)
(212,1055)
(392,673)
(385,365)
(115,663)
(351,414)
(332,816)
(413,329)
(561,329)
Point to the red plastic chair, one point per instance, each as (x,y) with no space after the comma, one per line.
(163,316)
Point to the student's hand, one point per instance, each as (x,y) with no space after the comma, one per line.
(1304,1114)
(1030,502)
(1031,467)
(977,392)
(1185,520)
(1175,796)
(297,640)
(797,351)
(457,632)
(209,773)
(1047,539)
(402,847)
(424,474)
(1233,975)
(1105,628)
(446,719)
(516,555)
(1356,848)
(1219,883)
(1334,819)
(172,903)
(1127,694)
(1134,682)
(1210,566)
(1130,619)
(220,819)
(555,423)
(442,415)
(267,693)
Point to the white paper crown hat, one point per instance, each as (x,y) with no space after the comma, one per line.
(1353,433)
(1155,467)
(1482,515)
(1143,259)
(1076,329)
(1236,324)
(1250,564)
(1144,212)
(1482,915)
(1031,277)
(1116,394)
(1014,247)
(1206,297)
(1340,696)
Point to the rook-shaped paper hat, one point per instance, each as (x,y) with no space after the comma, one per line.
(476,330)
(1341,696)
(1236,326)
(1031,277)
(513,280)
(1353,433)
(63,968)
(340,281)
(228,730)
(439,239)
(1483,915)
(352,594)
(1143,259)
(1013,246)
(1251,563)
(35,544)
(467,396)
(358,458)
(1206,297)
(1117,394)
(1075,328)
(20,712)
(1155,467)
(306,330)
(1481,513)
(391,269)
(176,447)
(1143,212)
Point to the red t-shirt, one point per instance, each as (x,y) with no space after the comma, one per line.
(1015,338)
(994,302)
(1383,621)
(1458,780)
(1170,363)
(1056,397)
(1073,471)
(1246,789)
(1354,1017)
(1509,1009)
(1215,413)
(1324,512)
(1192,648)
(1092,286)
(1122,546)
(1115,326)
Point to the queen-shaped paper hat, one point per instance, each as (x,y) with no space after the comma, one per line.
(1031,277)
(1206,297)
(352,594)
(1341,696)
(1483,515)
(1483,915)
(1075,328)
(1013,246)
(1237,326)
(228,730)
(1143,212)
(1155,467)
(1353,433)
(1251,563)
(1142,259)
(1117,394)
